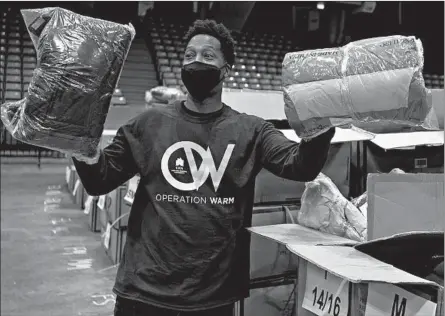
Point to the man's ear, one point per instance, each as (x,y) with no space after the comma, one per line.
(227,68)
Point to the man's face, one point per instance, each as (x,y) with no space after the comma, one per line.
(205,49)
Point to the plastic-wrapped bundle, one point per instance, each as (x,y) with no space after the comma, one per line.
(79,61)
(166,95)
(372,82)
(324,208)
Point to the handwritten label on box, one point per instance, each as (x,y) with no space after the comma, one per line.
(325,294)
(387,299)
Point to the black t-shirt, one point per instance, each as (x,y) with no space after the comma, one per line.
(187,247)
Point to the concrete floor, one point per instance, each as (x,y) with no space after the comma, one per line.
(51,264)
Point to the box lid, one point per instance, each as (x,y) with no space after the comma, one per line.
(354,265)
(342,135)
(297,234)
(335,254)
(406,140)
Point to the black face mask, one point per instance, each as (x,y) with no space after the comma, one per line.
(200,79)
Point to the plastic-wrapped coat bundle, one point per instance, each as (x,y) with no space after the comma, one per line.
(79,61)
(369,82)
(166,95)
(324,208)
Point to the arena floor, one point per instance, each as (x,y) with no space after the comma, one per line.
(51,264)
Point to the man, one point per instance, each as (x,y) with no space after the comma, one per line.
(187,250)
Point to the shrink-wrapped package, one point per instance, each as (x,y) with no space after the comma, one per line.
(79,61)
(366,83)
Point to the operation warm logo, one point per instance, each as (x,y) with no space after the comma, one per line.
(199,176)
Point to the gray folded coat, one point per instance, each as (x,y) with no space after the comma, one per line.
(366,83)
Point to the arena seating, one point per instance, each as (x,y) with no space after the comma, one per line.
(257,65)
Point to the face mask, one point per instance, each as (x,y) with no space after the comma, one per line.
(200,79)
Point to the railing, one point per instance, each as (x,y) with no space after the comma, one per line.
(10,147)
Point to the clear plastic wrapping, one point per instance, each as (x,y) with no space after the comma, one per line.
(166,95)
(376,81)
(79,61)
(324,208)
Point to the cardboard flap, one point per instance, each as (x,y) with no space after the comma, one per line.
(353,265)
(342,135)
(297,234)
(401,140)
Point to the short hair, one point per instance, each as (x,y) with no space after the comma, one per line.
(217,30)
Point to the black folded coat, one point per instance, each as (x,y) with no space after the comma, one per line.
(79,61)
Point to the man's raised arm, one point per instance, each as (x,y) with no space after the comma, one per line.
(290,160)
(115,166)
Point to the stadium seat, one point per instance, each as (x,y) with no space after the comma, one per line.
(159,47)
(14,50)
(29,51)
(265,82)
(267,76)
(172,55)
(170,48)
(168,75)
(163,62)
(29,65)
(12,95)
(13,64)
(276,82)
(262,69)
(165,69)
(13,87)
(29,59)
(13,71)
(178,76)
(175,62)
(176,69)
(276,88)
(161,54)
(170,82)
(253,81)
(272,70)
(156,41)
(28,72)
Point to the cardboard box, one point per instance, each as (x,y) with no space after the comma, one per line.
(271,301)
(70,177)
(399,203)
(332,274)
(412,152)
(268,258)
(438,98)
(94,216)
(113,243)
(117,207)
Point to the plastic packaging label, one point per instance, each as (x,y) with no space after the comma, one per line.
(132,187)
(387,299)
(325,294)
(107,236)
(101,202)
(88,205)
